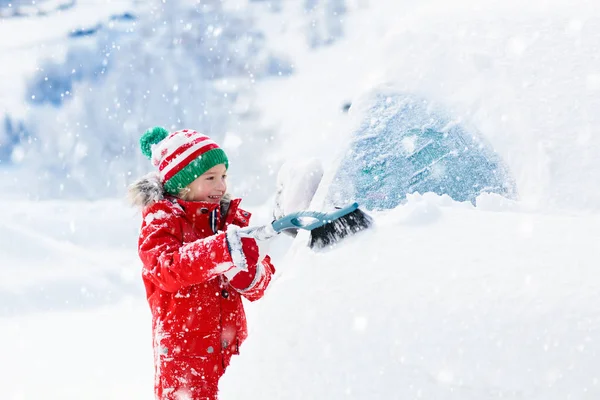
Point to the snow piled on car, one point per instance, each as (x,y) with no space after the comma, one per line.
(440,300)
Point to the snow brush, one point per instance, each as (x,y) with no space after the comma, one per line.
(326,228)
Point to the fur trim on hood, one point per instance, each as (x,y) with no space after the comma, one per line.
(146,190)
(149,189)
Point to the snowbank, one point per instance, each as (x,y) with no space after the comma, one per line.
(440,300)
(67,255)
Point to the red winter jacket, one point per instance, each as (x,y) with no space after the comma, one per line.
(198,315)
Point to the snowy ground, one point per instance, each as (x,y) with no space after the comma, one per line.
(73,321)
(439,301)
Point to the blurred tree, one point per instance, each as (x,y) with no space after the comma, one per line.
(186,64)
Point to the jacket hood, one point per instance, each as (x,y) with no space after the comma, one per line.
(149,189)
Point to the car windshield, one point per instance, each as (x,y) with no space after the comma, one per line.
(405,145)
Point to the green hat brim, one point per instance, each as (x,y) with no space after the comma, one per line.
(194,169)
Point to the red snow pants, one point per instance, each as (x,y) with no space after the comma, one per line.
(191,377)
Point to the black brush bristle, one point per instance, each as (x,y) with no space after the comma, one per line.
(342,227)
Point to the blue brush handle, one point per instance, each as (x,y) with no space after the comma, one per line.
(309,220)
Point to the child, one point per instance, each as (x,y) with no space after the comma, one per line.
(197,262)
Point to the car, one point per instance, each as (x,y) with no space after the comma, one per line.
(400,144)
(404,144)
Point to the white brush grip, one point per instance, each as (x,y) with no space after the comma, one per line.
(263,232)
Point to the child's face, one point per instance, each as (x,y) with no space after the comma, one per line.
(210,186)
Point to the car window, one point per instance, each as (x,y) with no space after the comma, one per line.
(406,145)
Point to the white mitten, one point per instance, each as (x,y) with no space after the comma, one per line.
(297,182)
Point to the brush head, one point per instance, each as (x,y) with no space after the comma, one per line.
(340,228)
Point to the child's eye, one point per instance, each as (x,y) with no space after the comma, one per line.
(224,176)
(210,178)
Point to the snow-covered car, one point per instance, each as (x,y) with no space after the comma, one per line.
(400,144)
(405,144)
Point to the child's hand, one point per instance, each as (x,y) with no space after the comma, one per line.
(244,250)
(251,251)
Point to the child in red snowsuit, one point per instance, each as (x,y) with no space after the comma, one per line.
(197,263)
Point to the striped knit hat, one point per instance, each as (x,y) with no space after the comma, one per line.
(181,156)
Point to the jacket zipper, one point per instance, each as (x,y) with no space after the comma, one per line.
(222,284)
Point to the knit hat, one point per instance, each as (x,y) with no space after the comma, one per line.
(181,156)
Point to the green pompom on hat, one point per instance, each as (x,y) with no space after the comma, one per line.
(151,137)
(181,156)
